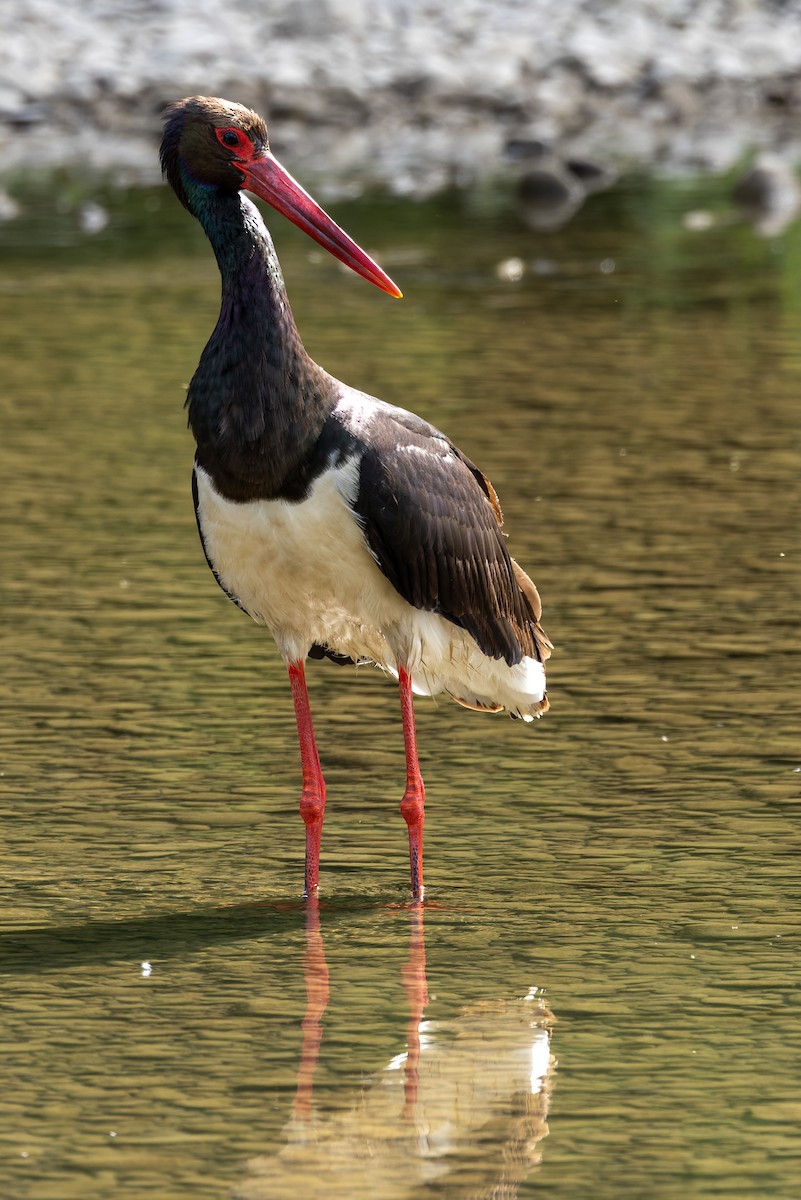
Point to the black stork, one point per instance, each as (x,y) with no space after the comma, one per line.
(352,529)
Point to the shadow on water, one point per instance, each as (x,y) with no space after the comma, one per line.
(170,934)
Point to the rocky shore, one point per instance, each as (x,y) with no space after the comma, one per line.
(407,95)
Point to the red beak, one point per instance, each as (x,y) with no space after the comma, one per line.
(266,178)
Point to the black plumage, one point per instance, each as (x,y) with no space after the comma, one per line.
(353,529)
(434,524)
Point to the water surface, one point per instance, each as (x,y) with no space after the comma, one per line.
(621,877)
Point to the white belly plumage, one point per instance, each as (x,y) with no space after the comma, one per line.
(305,571)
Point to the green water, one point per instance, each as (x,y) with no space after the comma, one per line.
(633,857)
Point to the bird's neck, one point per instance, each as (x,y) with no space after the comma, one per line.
(257,401)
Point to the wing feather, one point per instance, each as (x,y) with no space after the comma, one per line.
(434,524)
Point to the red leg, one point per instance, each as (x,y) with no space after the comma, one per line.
(413,802)
(312,800)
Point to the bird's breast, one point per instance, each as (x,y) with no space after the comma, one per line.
(303,569)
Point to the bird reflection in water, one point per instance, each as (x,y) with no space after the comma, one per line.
(465,1104)
(315,971)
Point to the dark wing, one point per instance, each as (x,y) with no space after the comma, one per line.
(433,522)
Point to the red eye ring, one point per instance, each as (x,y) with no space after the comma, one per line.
(234,139)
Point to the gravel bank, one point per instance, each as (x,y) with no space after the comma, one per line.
(408,95)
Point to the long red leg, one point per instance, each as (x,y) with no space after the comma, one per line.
(312,799)
(413,802)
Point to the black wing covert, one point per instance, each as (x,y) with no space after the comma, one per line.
(433,522)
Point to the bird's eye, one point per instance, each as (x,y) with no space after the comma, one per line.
(233,139)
